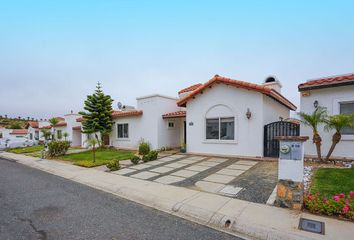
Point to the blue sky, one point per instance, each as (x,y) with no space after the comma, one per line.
(52,53)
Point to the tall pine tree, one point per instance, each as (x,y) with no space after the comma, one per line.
(98,114)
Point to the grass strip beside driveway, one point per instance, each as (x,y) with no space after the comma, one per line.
(103,156)
(330,181)
(22,150)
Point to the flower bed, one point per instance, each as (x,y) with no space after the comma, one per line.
(339,205)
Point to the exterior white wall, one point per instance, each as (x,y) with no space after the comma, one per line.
(329,98)
(71,122)
(150,126)
(33,131)
(235,102)
(273,111)
(248,133)
(5,133)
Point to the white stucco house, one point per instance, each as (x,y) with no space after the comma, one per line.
(67,124)
(336,94)
(220,117)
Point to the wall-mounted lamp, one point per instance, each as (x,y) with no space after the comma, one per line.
(248,113)
(315,103)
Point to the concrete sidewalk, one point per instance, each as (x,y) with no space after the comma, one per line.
(256,221)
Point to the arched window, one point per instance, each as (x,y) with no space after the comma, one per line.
(220,123)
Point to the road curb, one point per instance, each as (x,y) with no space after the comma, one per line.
(245,219)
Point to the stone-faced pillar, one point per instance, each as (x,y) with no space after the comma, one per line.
(290,187)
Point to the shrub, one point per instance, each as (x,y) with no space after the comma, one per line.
(144,148)
(150,156)
(135,159)
(153,155)
(113,165)
(58,148)
(338,205)
(146,158)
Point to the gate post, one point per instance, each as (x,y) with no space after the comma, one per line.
(290,187)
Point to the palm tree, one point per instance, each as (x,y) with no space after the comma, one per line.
(338,122)
(92,143)
(313,120)
(45,133)
(53,121)
(65,135)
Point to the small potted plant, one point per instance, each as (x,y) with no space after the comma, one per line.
(183,148)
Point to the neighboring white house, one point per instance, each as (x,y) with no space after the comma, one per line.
(336,94)
(146,123)
(67,124)
(222,116)
(33,130)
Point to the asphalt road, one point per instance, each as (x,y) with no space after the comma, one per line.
(38,205)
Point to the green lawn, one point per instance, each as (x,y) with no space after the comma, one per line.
(23,150)
(103,156)
(330,181)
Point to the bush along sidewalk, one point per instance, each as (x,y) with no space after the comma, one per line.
(340,205)
(113,165)
(135,159)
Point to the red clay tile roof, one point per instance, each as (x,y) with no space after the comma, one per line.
(190,88)
(118,114)
(46,127)
(77,128)
(60,118)
(240,84)
(333,81)
(33,124)
(19,132)
(60,124)
(174,114)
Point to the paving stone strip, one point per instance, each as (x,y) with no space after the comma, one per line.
(190,182)
(146,167)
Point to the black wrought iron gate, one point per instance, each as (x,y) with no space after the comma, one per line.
(281,128)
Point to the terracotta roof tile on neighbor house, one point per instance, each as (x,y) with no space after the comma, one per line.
(60,118)
(174,114)
(340,80)
(19,132)
(190,88)
(32,124)
(240,84)
(77,128)
(60,124)
(118,114)
(46,127)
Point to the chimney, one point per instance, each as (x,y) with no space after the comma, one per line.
(273,82)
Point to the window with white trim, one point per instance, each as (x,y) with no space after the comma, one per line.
(220,128)
(171,124)
(122,130)
(347,108)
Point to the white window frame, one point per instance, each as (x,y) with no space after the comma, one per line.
(123,138)
(168,125)
(336,110)
(231,141)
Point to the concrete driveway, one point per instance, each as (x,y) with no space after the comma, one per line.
(243,179)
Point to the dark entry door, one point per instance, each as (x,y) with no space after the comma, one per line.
(106,140)
(185,132)
(280,128)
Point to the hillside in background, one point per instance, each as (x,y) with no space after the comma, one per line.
(12,123)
